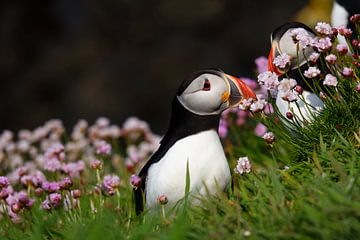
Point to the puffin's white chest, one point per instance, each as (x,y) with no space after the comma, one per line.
(207,166)
(305,110)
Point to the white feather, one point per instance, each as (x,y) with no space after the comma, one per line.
(208,167)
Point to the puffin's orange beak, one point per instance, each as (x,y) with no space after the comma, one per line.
(238,90)
(271,66)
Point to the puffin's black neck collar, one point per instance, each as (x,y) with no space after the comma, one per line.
(184,123)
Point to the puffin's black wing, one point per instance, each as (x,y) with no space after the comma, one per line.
(182,124)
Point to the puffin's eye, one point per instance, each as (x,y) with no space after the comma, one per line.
(207,85)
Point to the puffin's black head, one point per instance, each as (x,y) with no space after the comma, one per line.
(282,42)
(211,91)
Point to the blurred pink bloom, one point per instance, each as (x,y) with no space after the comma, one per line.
(135,180)
(73,169)
(45,205)
(260,130)
(323,28)
(261,64)
(269,137)
(110,184)
(96,164)
(55,199)
(243,166)
(162,199)
(347,72)
(223,128)
(312,72)
(4,182)
(330,80)
(102,147)
(282,61)
(50,187)
(357,88)
(102,122)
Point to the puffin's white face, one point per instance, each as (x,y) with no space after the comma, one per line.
(282,42)
(212,92)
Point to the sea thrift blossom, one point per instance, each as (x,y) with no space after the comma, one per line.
(258,105)
(260,129)
(282,61)
(347,72)
(4,182)
(55,199)
(223,128)
(312,72)
(135,180)
(314,57)
(285,89)
(269,80)
(103,147)
(346,32)
(342,48)
(357,88)
(96,164)
(245,104)
(301,36)
(323,28)
(331,58)
(162,199)
(322,44)
(50,187)
(45,205)
(269,137)
(243,166)
(330,80)
(110,184)
(261,64)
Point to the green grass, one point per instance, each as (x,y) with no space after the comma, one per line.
(318,197)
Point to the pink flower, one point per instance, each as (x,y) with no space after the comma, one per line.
(135,180)
(285,89)
(331,58)
(260,129)
(245,104)
(346,32)
(103,147)
(162,199)
(312,72)
(301,36)
(342,48)
(110,184)
(330,80)
(243,166)
(269,80)
(314,57)
(55,199)
(322,44)
(45,205)
(282,61)
(4,182)
(73,169)
(357,88)
(269,137)
(96,164)
(261,64)
(347,72)
(258,105)
(323,28)
(50,187)
(223,128)
(5,192)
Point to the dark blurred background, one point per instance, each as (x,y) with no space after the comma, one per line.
(73,59)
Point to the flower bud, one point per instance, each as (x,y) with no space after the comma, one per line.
(299,89)
(162,199)
(357,88)
(322,95)
(289,115)
(38,192)
(76,193)
(96,165)
(16,207)
(269,137)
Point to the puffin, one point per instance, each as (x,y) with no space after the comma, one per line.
(192,141)
(282,42)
